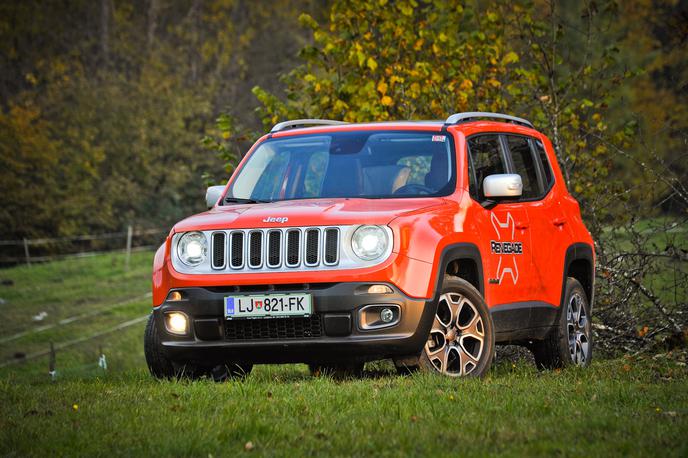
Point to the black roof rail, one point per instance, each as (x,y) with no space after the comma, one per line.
(304,122)
(457,118)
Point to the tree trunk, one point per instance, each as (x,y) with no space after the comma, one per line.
(153,10)
(105,10)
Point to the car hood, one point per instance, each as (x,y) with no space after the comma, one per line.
(313,212)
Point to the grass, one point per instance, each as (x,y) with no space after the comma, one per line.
(626,406)
(98,287)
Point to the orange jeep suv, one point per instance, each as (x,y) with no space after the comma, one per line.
(333,244)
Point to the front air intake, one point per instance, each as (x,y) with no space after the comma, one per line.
(255,250)
(312,246)
(293,247)
(219,249)
(331,246)
(237,249)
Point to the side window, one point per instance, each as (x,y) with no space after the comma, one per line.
(546,167)
(485,159)
(524,165)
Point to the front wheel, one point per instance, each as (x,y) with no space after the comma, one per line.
(461,340)
(162,367)
(159,365)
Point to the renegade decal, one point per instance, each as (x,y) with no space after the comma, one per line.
(506,247)
(505,265)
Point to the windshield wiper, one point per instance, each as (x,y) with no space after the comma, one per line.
(237,200)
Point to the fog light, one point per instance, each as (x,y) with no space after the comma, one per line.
(174,296)
(177,323)
(386,315)
(378,316)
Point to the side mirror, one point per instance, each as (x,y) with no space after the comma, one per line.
(213,194)
(502,185)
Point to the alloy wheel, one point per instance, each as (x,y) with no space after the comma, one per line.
(457,338)
(578,330)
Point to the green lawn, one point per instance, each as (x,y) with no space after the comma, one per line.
(625,406)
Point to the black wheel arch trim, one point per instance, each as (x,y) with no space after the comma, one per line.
(456,252)
(578,252)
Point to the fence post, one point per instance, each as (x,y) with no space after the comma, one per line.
(26,252)
(130,233)
(52,370)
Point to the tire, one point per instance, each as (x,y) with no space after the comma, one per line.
(570,342)
(161,367)
(230,371)
(461,341)
(338,371)
(158,364)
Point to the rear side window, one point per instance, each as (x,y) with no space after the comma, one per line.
(546,167)
(525,165)
(485,159)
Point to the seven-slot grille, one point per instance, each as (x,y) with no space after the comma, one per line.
(267,249)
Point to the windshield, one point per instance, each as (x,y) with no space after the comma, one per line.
(347,164)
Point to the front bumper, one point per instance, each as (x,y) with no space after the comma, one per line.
(333,333)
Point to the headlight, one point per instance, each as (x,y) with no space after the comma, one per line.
(192,248)
(369,242)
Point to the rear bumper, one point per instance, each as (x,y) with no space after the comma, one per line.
(334,332)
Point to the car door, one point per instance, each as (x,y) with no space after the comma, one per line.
(504,230)
(549,228)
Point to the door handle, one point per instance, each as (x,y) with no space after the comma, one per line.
(559,221)
(521,225)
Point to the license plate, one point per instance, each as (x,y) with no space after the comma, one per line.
(268,305)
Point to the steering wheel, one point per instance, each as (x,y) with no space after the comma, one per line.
(414,188)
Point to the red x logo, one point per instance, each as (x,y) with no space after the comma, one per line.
(505,232)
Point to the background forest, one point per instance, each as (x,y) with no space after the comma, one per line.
(117,112)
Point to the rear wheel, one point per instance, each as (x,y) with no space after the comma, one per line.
(570,343)
(461,340)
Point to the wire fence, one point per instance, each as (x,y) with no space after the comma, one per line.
(75,341)
(28,251)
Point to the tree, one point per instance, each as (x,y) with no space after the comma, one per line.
(118,94)
(406,59)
